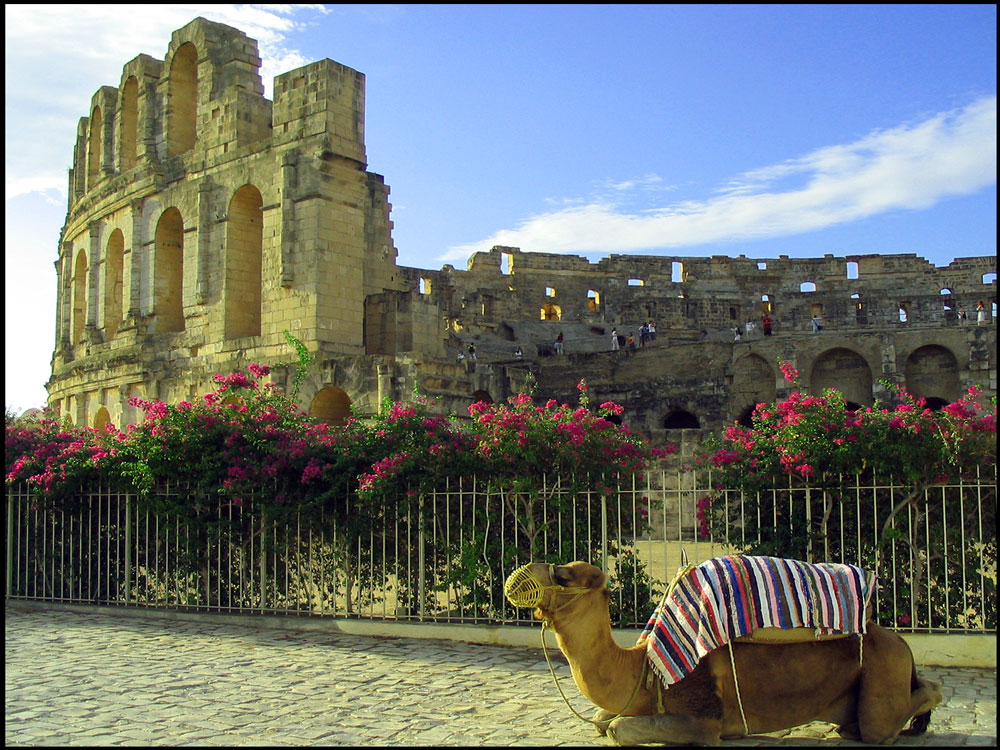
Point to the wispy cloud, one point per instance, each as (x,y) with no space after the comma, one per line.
(74,50)
(911,167)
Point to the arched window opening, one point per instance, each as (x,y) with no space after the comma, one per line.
(807,286)
(182,109)
(506,264)
(904,312)
(550,291)
(244,257)
(990,278)
(80,272)
(932,371)
(766,304)
(102,419)
(424,285)
(113,288)
(551,312)
(679,419)
(636,282)
(482,396)
(746,417)
(845,370)
(945,292)
(130,120)
(676,271)
(331,405)
(593,301)
(851,406)
(852,269)
(168,274)
(95,148)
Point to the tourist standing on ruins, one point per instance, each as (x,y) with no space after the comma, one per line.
(961,316)
(614,340)
(816,325)
(767,325)
(559,343)
(643,333)
(981,313)
(737,333)
(472,352)
(651,331)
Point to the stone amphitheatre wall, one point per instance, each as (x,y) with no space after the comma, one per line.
(204,220)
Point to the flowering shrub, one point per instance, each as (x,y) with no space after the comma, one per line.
(779,483)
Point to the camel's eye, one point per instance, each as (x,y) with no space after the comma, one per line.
(560,577)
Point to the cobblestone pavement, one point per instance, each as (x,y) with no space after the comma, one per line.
(101,678)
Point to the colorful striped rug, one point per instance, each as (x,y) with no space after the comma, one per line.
(728,597)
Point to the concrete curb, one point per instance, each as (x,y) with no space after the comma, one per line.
(944,650)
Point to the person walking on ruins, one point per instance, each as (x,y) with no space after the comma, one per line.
(651,331)
(614,340)
(961,316)
(737,333)
(981,313)
(643,332)
(767,325)
(816,324)
(472,352)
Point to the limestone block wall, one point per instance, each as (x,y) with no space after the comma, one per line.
(204,220)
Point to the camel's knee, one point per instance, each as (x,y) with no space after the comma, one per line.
(925,697)
(664,728)
(602,717)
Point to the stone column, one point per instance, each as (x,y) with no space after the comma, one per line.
(204,236)
(138,259)
(289,181)
(93,282)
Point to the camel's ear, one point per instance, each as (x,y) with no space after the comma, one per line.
(593,577)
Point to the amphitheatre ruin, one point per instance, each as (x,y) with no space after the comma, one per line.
(204,220)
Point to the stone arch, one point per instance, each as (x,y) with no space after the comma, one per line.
(182,100)
(331,405)
(932,372)
(845,370)
(753,382)
(102,419)
(168,274)
(244,258)
(114,262)
(551,311)
(482,396)
(80,273)
(680,419)
(95,148)
(128,140)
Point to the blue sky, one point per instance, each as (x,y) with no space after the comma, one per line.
(591,130)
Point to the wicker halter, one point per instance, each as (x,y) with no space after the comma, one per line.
(523,590)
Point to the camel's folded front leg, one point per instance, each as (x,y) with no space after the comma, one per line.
(603,717)
(664,728)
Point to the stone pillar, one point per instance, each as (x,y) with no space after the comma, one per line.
(289,181)
(93,282)
(204,236)
(138,260)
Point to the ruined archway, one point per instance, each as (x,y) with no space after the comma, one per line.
(331,405)
(114,261)
(680,419)
(845,370)
(753,382)
(244,258)
(168,275)
(932,372)
(182,109)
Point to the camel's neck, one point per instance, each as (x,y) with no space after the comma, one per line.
(603,671)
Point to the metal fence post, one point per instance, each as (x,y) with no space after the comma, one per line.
(10,543)
(604,532)
(421,561)
(128,548)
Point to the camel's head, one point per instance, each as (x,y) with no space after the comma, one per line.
(548,588)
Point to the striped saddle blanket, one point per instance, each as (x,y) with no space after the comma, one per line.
(729,597)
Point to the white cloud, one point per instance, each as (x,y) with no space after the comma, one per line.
(72,50)
(913,166)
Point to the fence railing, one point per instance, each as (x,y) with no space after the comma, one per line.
(445,559)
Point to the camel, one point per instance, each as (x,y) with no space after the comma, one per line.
(781,685)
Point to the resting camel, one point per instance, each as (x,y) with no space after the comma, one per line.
(781,686)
